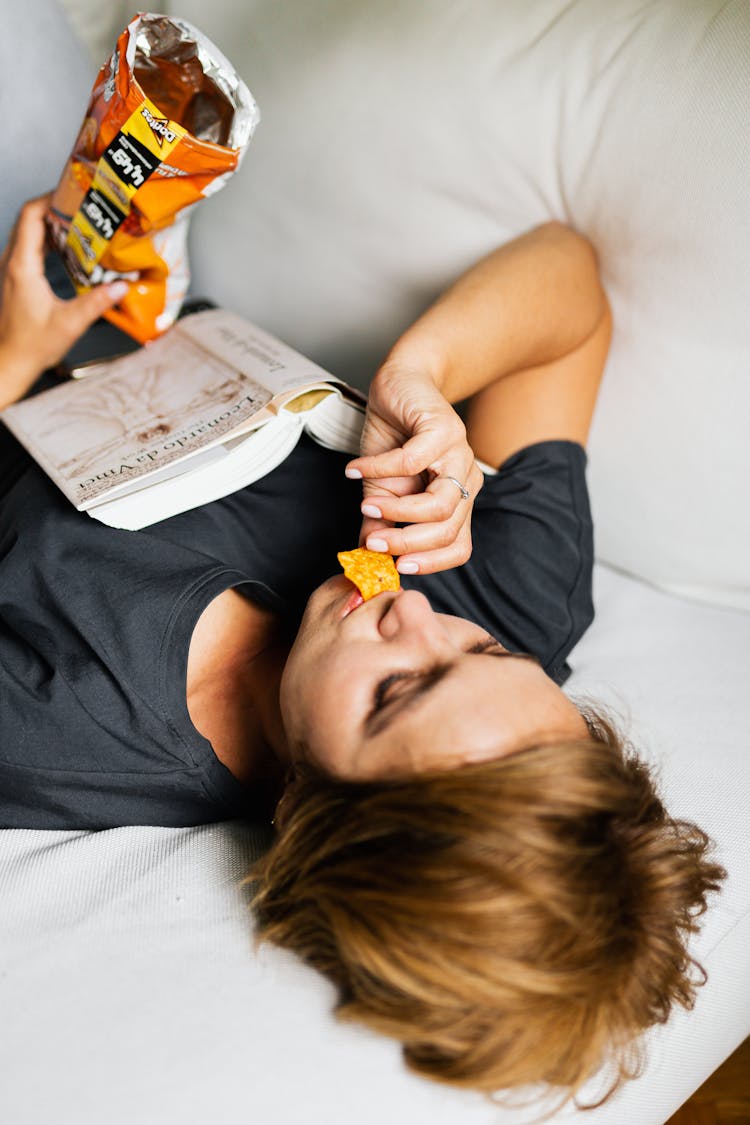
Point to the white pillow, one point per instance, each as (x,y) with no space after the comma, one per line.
(98,25)
(45,80)
(399,142)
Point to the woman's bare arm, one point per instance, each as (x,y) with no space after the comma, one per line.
(523,307)
(552,401)
(524,334)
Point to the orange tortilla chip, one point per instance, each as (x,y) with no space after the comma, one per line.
(370,571)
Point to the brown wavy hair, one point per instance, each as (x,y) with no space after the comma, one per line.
(515,921)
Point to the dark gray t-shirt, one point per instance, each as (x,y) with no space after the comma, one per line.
(95,623)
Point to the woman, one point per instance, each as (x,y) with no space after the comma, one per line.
(482,868)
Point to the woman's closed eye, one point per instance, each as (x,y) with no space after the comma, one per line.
(388,692)
(383,690)
(494,648)
(395,691)
(485,645)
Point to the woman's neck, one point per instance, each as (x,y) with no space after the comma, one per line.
(235,662)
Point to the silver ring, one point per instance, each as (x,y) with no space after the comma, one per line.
(461,487)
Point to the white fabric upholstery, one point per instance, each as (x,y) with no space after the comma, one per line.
(97,25)
(45,81)
(130,990)
(399,142)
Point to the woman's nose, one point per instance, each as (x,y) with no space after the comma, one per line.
(409,611)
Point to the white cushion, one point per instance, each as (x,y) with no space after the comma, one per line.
(45,82)
(130,990)
(391,155)
(399,142)
(98,25)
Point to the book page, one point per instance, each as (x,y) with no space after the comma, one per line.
(149,409)
(253,351)
(337,424)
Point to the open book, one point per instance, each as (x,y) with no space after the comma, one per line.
(211,406)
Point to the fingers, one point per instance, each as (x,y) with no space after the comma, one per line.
(417,538)
(371,531)
(422,548)
(434,505)
(409,460)
(26,245)
(438,531)
(455,555)
(82,311)
(426,448)
(406,479)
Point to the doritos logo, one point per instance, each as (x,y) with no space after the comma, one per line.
(84,243)
(159,127)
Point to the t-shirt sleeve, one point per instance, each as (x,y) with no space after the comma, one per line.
(528,581)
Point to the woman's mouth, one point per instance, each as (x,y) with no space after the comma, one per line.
(355,599)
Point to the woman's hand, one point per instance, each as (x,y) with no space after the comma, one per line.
(413,440)
(36,327)
(526,308)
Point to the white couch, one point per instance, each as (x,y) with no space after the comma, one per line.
(399,142)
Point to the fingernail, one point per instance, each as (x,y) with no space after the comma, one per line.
(371,510)
(353,474)
(117,290)
(377,545)
(407,567)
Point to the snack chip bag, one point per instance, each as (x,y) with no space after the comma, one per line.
(168,122)
(370,571)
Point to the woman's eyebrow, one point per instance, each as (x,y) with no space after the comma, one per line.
(416,688)
(489,644)
(518,655)
(424,682)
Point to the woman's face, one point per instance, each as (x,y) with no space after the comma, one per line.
(392,688)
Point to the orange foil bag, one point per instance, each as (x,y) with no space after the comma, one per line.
(168,123)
